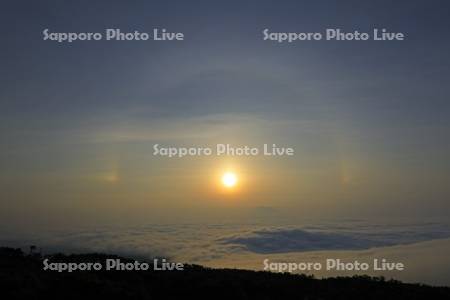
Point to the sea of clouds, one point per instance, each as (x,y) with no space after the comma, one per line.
(247,245)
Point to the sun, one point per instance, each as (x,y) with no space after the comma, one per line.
(229,179)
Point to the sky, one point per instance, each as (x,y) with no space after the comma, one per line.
(368,119)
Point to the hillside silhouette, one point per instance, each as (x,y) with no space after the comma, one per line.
(22,277)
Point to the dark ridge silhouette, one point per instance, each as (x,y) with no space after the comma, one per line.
(22,277)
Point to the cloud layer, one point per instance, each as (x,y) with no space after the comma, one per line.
(246,246)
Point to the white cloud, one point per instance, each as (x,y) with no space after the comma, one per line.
(421,247)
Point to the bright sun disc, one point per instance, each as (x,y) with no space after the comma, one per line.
(229,179)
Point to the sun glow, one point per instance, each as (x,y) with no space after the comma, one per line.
(229,179)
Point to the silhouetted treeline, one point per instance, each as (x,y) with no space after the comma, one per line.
(22,277)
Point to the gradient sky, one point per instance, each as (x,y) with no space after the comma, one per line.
(369,120)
